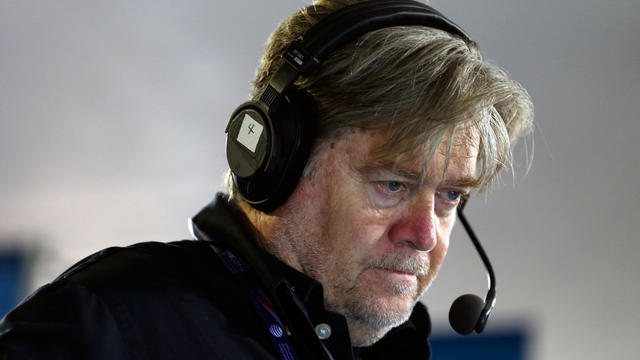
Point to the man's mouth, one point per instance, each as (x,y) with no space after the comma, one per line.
(402,272)
(400,275)
(408,268)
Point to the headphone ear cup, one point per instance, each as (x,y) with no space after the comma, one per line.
(296,131)
(267,176)
(248,139)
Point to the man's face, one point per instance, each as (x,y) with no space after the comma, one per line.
(375,238)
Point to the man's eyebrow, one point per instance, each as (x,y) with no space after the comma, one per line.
(390,168)
(468,181)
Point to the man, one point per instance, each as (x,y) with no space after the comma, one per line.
(405,122)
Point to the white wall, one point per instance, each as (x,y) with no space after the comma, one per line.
(111,132)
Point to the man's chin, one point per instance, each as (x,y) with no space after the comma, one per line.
(363,334)
(370,319)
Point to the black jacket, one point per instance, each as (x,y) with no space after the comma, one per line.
(178,301)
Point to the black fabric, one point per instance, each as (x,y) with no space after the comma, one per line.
(178,301)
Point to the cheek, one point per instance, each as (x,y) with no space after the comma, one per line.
(438,254)
(440,251)
(352,228)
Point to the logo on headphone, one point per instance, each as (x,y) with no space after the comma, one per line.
(249,133)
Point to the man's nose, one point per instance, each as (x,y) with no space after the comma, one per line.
(417,227)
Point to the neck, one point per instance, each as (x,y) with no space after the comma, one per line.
(267,233)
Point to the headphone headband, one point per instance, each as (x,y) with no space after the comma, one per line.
(352,21)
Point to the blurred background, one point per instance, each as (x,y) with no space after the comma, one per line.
(112,117)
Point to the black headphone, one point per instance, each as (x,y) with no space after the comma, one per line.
(269,138)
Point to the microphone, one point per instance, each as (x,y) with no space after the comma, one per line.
(469,312)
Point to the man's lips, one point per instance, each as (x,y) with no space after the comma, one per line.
(404,274)
(397,265)
(401,272)
(383,282)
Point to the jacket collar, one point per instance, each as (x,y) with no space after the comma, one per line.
(225,223)
(297,298)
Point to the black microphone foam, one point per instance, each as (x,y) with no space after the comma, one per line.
(465,313)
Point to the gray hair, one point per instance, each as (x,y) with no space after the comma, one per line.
(420,84)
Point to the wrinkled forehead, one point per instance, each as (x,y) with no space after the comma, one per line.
(465,143)
(457,146)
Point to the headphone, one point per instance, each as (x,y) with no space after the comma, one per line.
(269,138)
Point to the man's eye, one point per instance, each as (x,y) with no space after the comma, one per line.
(388,193)
(451,195)
(394,186)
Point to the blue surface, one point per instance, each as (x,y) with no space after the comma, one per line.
(10,280)
(509,345)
